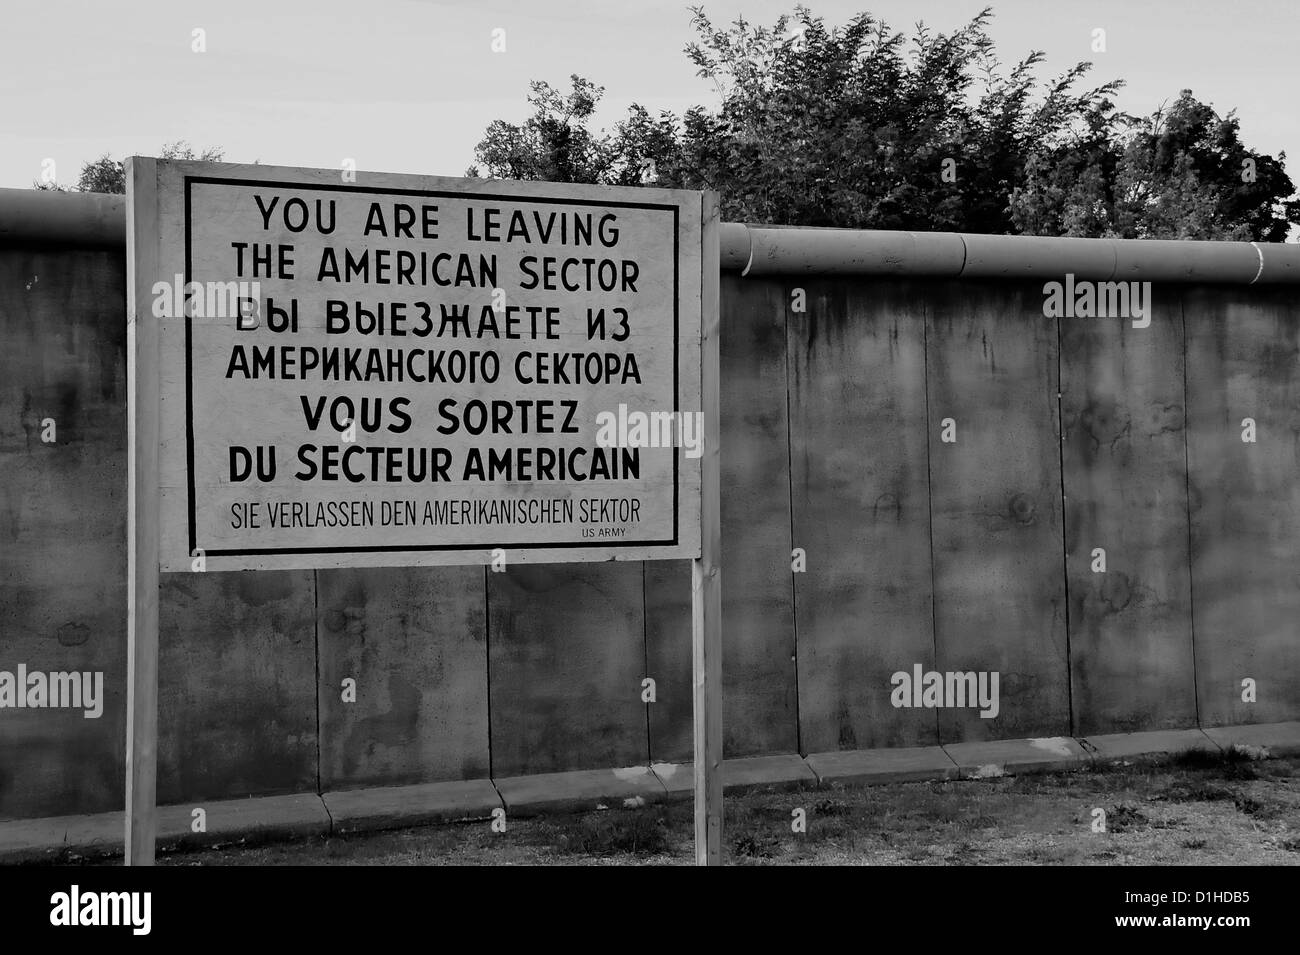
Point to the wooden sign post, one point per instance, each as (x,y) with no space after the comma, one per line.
(706,572)
(142,531)
(338,369)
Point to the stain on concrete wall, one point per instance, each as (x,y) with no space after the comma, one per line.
(759,692)
(63,522)
(566,656)
(999,588)
(1243,361)
(236,685)
(1126,495)
(668,659)
(414,639)
(861,511)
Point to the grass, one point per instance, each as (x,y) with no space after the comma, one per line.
(622,832)
(1193,809)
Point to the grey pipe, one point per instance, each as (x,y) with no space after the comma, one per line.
(798,251)
(71,218)
(91,219)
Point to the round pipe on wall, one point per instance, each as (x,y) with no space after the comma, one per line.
(96,220)
(1029,257)
(769,250)
(73,218)
(1171,260)
(852,251)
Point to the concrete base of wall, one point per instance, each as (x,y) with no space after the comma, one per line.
(1004,757)
(264,819)
(1123,745)
(395,807)
(275,818)
(866,766)
(581,791)
(1280,739)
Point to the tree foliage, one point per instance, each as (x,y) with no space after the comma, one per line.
(554,144)
(1180,173)
(107,174)
(861,126)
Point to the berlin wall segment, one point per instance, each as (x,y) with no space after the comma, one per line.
(1218,654)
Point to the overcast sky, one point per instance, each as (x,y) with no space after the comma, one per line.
(409,85)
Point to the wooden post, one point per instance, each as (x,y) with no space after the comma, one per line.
(706,574)
(142,525)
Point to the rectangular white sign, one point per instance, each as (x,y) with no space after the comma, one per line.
(408,370)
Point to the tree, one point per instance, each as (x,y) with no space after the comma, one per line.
(1186,174)
(1181,173)
(104,174)
(107,174)
(860,126)
(554,144)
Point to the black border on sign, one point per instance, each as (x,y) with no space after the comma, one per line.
(330,187)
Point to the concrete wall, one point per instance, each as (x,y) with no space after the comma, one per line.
(63,521)
(861,495)
(974,554)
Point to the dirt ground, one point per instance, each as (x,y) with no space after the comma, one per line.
(1195,809)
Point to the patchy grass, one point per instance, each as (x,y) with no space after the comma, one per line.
(1237,762)
(621,832)
(1193,809)
(1124,817)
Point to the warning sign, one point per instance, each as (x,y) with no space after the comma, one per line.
(409,370)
